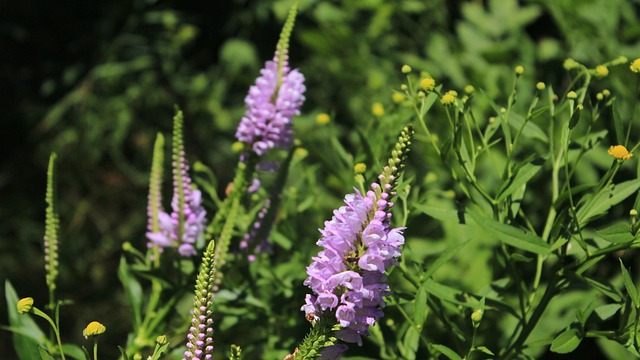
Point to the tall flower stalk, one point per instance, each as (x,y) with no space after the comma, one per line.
(51,233)
(199,339)
(347,276)
(185,225)
(154,207)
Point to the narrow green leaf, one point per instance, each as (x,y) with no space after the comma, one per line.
(74,351)
(566,341)
(605,288)
(524,174)
(531,130)
(629,285)
(516,237)
(446,351)
(444,258)
(484,349)
(439,213)
(618,123)
(44,354)
(26,333)
(133,290)
(617,234)
(604,199)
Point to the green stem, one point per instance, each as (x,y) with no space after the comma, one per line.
(95,348)
(38,312)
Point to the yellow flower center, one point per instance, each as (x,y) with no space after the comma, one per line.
(619,152)
(449,98)
(602,71)
(322,119)
(360,168)
(397,98)
(377,109)
(428,84)
(635,66)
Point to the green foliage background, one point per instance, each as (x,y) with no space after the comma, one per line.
(96,81)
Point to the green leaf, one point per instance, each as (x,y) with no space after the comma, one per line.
(516,237)
(531,130)
(566,341)
(604,312)
(605,288)
(439,213)
(618,123)
(73,351)
(604,199)
(617,234)
(446,351)
(26,333)
(629,285)
(444,258)
(484,349)
(524,174)
(44,354)
(133,290)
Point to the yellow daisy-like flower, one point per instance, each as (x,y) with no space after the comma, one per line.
(377,109)
(572,95)
(469,89)
(449,98)
(360,168)
(406,69)
(24,305)
(601,71)
(428,84)
(322,119)
(570,64)
(93,329)
(519,70)
(237,147)
(620,152)
(540,86)
(635,66)
(397,98)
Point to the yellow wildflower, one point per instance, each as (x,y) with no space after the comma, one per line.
(635,66)
(322,119)
(428,84)
(360,168)
(406,69)
(570,64)
(397,97)
(377,109)
(620,152)
(93,329)
(606,92)
(469,89)
(572,95)
(237,147)
(599,96)
(540,86)
(519,70)
(24,305)
(449,98)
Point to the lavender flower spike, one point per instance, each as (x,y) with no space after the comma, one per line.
(271,104)
(186,223)
(275,98)
(348,275)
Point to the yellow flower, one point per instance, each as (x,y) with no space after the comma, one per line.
(635,66)
(428,84)
(570,64)
(572,95)
(322,119)
(601,71)
(540,86)
(476,316)
(25,305)
(469,89)
(397,98)
(300,153)
(449,98)
(620,152)
(633,212)
(360,168)
(237,147)
(377,109)
(93,329)
(599,96)
(406,69)
(162,340)
(519,70)
(606,92)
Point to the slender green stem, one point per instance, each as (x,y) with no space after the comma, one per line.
(95,348)
(38,312)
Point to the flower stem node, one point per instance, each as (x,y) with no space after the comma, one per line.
(25,305)
(620,152)
(93,329)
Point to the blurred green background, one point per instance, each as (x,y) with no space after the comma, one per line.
(95,81)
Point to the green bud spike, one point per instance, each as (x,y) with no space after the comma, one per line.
(178,167)
(155,183)
(52,231)
(282,47)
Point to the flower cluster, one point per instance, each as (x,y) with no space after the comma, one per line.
(271,104)
(348,274)
(186,223)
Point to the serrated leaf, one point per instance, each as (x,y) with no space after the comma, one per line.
(566,341)
(446,351)
(617,234)
(511,235)
(629,285)
(606,311)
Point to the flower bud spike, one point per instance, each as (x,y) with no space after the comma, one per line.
(52,231)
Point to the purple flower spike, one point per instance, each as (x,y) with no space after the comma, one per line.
(271,104)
